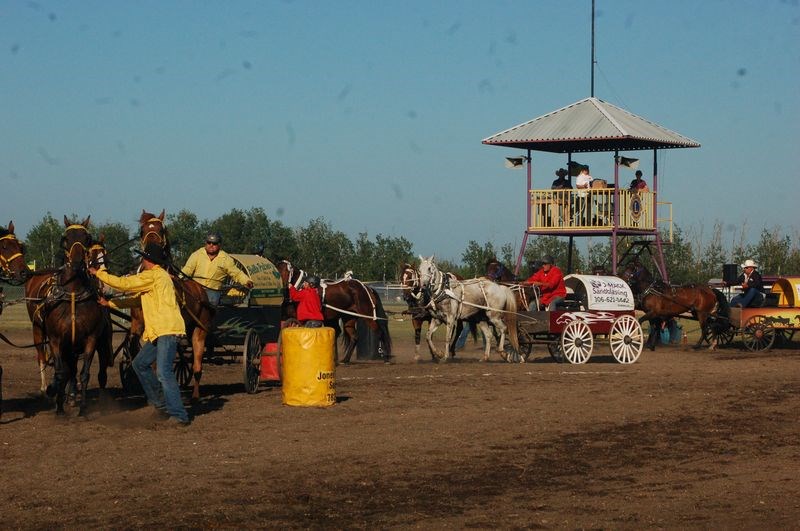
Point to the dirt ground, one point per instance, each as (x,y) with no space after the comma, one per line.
(681,439)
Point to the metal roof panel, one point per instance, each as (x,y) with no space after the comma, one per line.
(589,125)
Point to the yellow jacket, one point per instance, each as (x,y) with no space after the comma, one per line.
(211,273)
(156,294)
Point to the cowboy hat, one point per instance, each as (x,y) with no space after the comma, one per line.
(749,263)
(153,253)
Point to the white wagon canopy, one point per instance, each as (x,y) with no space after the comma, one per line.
(601,292)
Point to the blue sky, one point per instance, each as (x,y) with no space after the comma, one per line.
(371,114)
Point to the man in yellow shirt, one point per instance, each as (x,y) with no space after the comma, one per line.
(210,266)
(153,290)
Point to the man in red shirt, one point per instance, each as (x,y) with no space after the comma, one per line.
(309,307)
(550,280)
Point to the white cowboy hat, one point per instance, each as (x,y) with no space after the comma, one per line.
(749,263)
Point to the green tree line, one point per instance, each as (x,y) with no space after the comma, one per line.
(318,247)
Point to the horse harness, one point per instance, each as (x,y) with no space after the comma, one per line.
(160,233)
(5,263)
(324,285)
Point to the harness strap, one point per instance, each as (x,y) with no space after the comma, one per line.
(9,342)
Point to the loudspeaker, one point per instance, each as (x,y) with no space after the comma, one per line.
(730,272)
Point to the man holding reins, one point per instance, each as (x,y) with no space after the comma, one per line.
(210,266)
(550,281)
(153,290)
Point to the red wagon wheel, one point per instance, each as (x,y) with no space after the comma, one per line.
(758,334)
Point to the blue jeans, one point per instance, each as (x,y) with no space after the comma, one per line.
(462,339)
(750,297)
(213,296)
(161,392)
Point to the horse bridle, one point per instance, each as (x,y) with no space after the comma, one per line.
(290,270)
(85,250)
(5,262)
(440,280)
(497,274)
(99,250)
(409,279)
(160,234)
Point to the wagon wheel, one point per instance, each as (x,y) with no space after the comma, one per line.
(758,334)
(127,377)
(720,332)
(577,342)
(251,361)
(556,352)
(525,342)
(724,337)
(626,339)
(183,365)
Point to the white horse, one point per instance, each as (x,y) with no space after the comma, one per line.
(451,300)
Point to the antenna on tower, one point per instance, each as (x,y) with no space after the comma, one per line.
(593,60)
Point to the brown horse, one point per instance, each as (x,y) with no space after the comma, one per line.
(661,301)
(197,313)
(348,299)
(69,316)
(38,287)
(15,271)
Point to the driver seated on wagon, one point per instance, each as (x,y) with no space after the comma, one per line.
(550,281)
(210,266)
(752,294)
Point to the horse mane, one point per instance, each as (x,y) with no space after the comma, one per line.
(5,232)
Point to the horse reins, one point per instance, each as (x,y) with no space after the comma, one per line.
(8,274)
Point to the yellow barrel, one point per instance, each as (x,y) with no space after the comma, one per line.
(309,377)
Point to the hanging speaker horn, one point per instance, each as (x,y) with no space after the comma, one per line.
(515,163)
(629,163)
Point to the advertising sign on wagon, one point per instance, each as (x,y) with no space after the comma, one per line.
(602,292)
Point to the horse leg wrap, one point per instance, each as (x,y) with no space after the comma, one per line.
(197,376)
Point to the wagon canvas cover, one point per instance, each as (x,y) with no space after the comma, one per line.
(601,292)
(267,285)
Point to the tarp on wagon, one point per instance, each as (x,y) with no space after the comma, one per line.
(601,292)
(267,285)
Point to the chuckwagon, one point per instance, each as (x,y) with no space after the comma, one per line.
(245,323)
(778,318)
(597,308)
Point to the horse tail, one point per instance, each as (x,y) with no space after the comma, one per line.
(510,317)
(723,307)
(383,324)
